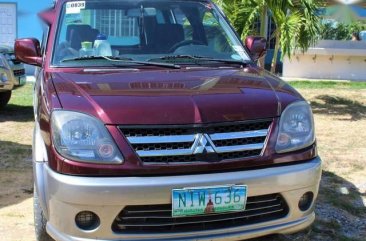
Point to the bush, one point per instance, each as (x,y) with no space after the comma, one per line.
(340,31)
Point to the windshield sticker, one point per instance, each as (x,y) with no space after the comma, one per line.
(74,7)
(73,18)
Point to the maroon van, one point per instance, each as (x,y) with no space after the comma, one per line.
(153,122)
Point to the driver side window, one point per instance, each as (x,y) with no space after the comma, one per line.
(215,36)
(182,19)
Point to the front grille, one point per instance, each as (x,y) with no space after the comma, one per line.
(202,143)
(19,72)
(157,218)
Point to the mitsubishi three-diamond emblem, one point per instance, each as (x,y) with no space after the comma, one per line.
(203,145)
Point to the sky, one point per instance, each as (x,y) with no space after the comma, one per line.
(28,22)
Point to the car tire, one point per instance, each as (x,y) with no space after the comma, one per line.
(39,220)
(4,98)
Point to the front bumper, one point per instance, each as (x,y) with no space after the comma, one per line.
(19,77)
(20,80)
(68,195)
(7,85)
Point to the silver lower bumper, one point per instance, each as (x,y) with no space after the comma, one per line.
(68,195)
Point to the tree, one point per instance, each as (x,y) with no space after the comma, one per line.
(243,14)
(340,31)
(297,24)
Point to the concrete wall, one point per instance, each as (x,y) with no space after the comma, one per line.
(329,59)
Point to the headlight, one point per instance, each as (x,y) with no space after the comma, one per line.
(83,138)
(3,62)
(10,58)
(296,128)
(4,77)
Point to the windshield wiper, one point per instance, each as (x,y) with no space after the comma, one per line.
(201,58)
(116,60)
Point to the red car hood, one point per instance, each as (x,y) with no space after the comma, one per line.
(174,96)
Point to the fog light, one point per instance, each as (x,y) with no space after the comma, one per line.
(305,201)
(87,220)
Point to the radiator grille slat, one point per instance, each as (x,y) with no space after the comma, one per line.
(19,72)
(208,220)
(157,218)
(167,214)
(238,135)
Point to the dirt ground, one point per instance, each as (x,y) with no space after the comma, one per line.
(340,117)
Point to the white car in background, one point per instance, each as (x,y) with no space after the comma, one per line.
(12,74)
(363,35)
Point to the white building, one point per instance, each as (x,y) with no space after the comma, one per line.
(8,23)
(329,59)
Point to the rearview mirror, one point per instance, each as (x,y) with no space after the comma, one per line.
(28,50)
(257,46)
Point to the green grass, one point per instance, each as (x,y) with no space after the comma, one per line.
(22,96)
(306,84)
(20,106)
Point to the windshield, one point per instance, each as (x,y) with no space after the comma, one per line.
(150,31)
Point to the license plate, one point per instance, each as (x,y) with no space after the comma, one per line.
(208,200)
(22,80)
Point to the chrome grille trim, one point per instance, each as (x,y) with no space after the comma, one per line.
(238,135)
(196,141)
(161,139)
(150,143)
(175,152)
(248,147)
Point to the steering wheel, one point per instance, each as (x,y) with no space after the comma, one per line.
(184,43)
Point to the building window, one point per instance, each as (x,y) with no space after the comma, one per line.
(115,23)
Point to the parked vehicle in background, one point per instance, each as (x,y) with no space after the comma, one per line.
(12,74)
(165,129)
(363,35)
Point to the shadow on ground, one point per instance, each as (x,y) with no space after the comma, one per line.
(16,183)
(16,113)
(335,105)
(340,214)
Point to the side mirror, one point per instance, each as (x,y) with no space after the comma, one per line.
(257,46)
(28,50)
